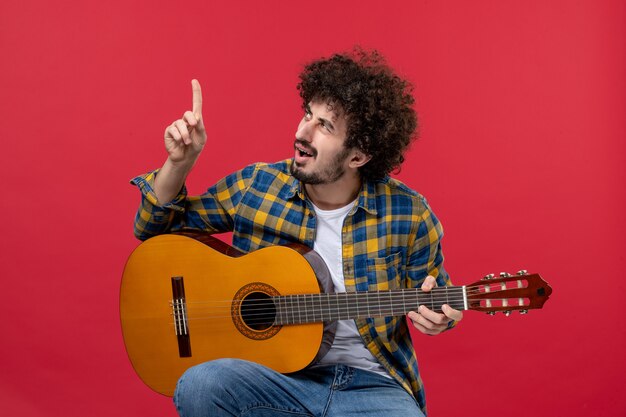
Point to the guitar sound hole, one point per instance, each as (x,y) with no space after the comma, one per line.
(258,311)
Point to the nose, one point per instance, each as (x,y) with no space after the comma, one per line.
(305,131)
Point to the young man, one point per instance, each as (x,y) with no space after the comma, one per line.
(335,196)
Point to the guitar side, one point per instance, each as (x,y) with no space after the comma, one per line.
(147,314)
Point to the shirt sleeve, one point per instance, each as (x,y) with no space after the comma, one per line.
(211,212)
(426,256)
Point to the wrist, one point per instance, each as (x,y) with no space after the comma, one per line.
(178,168)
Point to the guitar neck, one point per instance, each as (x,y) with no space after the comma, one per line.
(311,308)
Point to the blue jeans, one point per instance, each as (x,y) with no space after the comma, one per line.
(233,387)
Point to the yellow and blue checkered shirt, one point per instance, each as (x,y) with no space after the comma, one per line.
(391,239)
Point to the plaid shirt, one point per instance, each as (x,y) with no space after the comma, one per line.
(391,240)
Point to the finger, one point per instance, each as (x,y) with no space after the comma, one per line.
(197,98)
(191,120)
(429,283)
(455,315)
(172,132)
(432,316)
(423,325)
(184,132)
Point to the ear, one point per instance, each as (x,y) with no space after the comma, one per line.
(358,159)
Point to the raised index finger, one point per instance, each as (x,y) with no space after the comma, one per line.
(197,98)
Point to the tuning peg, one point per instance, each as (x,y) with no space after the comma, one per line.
(507,313)
(491,313)
(504,275)
(522,272)
(490,276)
(523,311)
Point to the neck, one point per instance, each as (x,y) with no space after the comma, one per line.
(335,195)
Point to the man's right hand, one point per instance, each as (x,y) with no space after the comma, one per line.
(185,138)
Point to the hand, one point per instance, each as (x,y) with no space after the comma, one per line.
(185,138)
(429,322)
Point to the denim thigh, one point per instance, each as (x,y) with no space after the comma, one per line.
(233,387)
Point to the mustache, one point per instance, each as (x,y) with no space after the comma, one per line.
(305,145)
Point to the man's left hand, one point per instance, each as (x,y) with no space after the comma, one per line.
(429,322)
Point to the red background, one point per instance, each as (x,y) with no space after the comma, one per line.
(521,156)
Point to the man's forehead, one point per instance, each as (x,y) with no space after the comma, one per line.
(333,108)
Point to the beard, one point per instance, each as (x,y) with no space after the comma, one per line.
(331,172)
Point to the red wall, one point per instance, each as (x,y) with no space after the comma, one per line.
(521,156)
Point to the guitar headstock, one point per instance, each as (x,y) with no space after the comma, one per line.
(507,293)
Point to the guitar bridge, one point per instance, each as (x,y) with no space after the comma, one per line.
(179,312)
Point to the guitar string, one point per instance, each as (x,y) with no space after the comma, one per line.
(350,299)
(407,292)
(437,296)
(315,303)
(334,311)
(263,309)
(323,315)
(292,305)
(326,304)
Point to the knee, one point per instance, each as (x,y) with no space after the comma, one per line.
(204,377)
(208,385)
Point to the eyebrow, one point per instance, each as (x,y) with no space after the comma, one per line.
(329,123)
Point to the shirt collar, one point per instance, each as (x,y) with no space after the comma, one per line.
(365,200)
(367,197)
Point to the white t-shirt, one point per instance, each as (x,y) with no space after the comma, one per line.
(348,347)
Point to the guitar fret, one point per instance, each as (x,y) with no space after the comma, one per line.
(383,303)
(311,307)
(415,300)
(306,308)
(299,309)
(337,312)
(283,313)
(353,304)
(320,307)
(359,306)
(387,304)
(330,315)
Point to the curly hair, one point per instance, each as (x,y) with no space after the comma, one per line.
(376,102)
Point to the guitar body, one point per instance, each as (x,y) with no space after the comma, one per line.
(213,281)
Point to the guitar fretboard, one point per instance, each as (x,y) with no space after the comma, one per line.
(311,308)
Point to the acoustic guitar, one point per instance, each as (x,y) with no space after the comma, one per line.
(188,298)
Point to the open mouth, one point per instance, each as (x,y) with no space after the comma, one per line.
(303,152)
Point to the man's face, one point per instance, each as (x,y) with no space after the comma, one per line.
(320,155)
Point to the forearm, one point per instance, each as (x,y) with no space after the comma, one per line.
(170,180)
